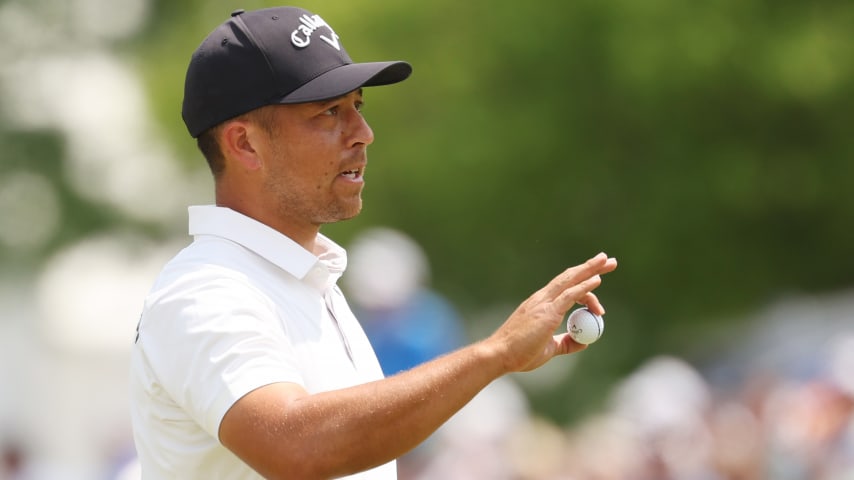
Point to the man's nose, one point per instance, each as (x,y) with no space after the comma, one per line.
(361,132)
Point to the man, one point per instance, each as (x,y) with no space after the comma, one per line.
(248,362)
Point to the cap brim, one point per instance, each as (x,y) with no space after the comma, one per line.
(346,78)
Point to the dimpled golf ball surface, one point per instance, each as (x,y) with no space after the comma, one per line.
(584,326)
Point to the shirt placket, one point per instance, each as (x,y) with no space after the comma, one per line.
(330,307)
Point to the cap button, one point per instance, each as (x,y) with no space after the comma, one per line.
(238,12)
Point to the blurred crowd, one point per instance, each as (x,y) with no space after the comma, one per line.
(662,422)
(779,405)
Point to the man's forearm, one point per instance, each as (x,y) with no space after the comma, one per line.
(345,431)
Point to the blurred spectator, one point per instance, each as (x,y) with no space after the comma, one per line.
(387,281)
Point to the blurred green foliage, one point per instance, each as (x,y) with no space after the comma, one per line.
(706,145)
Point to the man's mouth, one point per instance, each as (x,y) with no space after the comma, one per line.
(352,174)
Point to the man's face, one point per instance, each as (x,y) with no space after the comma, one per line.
(315,160)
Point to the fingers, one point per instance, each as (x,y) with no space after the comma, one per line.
(591,301)
(595,266)
(576,283)
(575,294)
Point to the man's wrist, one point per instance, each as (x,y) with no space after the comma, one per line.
(490,356)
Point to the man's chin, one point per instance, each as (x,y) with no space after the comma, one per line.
(343,214)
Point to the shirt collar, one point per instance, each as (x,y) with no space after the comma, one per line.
(321,270)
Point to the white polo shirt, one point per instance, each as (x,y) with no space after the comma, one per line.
(241,307)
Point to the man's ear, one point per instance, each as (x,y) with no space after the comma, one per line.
(239,141)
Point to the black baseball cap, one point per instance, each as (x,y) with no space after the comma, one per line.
(277,55)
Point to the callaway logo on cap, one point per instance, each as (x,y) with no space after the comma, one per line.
(271,56)
(301,37)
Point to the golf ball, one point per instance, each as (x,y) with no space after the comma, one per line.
(584,326)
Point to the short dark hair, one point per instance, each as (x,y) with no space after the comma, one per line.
(208,141)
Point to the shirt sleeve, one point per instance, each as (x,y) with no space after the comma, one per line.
(210,343)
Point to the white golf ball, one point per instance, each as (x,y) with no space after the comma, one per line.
(584,326)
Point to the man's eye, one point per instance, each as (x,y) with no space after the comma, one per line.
(359,106)
(332,111)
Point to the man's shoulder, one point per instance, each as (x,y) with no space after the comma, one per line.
(211,255)
(212,266)
(206,263)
